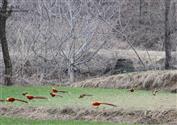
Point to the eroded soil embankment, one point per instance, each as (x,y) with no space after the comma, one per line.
(166,80)
(168,117)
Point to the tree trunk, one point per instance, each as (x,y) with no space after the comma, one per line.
(140,12)
(174,16)
(167,43)
(72,60)
(7,61)
(71,71)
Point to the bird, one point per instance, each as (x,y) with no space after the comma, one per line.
(131,89)
(11,99)
(31,97)
(24,93)
(97,104)
(54,90)
(54,94)
(155,92)
(83,95)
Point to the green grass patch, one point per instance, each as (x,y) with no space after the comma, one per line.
(19,121)
(121,97)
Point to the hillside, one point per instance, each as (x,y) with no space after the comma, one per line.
(166,80)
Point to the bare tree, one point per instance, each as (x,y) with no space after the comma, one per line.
(82,29)
(71,32)
(116,9)
(167,43)
(173,9)
(60,37)
(140,9)
(4,14)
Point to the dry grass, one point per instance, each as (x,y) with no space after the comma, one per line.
(98,64)
(150,58)
(118,116)
(154,55)
(166,80)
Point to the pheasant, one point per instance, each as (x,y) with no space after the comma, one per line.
(24,93)
(54,90)
(155,92)
(31,97)
(83,95)
(54,94)
(97,104)
(131,89)
(11,99)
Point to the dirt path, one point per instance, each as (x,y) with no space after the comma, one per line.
(168,117)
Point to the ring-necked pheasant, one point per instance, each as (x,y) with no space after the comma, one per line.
(54,90)
(97,104)
(24,93)
(11,99)
(83,95)
(132,89)
(31,97)
(155,92)
(55,94)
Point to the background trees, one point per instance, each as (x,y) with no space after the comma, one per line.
(77,39)
(5,12)
(167,42)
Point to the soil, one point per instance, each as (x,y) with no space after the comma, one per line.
(149,80)
(168,117)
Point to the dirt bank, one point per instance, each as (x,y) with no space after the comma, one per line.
(114,115)
(142,80)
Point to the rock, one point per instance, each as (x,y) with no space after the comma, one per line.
(121,66)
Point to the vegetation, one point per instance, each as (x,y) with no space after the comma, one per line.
(19,121)
(66,41)
(121,97)
(4,14)
(61,40)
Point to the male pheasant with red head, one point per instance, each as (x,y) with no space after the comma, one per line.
(55,94)
(12,99)
(31,97)
(54,90)
(97,104)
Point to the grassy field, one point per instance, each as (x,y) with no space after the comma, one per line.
(121,97)
(18,121)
